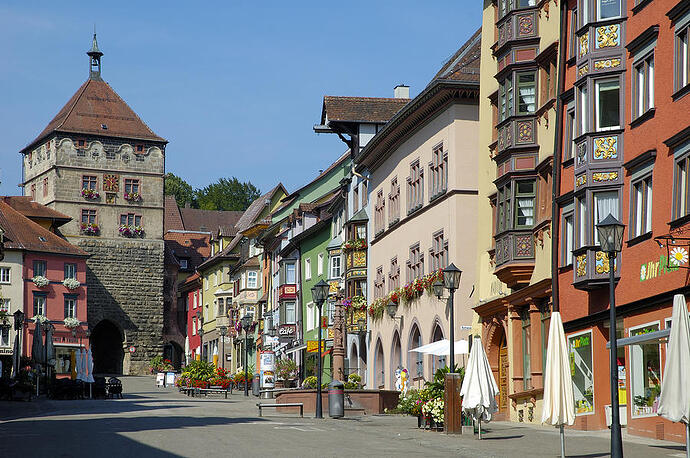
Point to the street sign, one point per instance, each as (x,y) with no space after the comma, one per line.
(132,349)
(313,346)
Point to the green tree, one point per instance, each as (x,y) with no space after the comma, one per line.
(227,194)
(183,191)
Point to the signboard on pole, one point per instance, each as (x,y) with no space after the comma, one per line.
(313,346)
(267,369)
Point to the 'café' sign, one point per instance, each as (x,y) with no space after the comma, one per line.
(287,330)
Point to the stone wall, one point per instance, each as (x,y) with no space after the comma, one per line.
(125,279)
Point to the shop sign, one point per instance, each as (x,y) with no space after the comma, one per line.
(6,351)
(287,330)
(581,341)
(654,269)
(313,346)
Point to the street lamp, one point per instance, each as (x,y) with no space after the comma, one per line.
(223,330)
(318,295)
(246,324)
(610,232)
(451,281)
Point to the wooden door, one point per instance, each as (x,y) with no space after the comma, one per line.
(503,377)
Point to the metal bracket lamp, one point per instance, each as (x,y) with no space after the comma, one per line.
(392,309)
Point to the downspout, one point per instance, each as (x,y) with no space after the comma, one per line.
(556,174)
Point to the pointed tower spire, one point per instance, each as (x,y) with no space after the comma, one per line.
(95,59)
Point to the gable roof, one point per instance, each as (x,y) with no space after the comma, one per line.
(95,104)
(194,219)
(360,109)
(464,64)
(23,234)
(193,246)
(172,219)
(255,208)
(35,211)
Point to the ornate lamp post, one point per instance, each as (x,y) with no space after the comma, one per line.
(451,281)
(246,324)
(223,330)
(318,295)
(610,232)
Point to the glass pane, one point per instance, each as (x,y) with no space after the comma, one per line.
(650,83)
(581,371)
(645,365)
(525,211)
(608,105)
(609,8)
(648,222)
(525,187)
(638,208)
(526,93)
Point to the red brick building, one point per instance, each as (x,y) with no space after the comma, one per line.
(624,150)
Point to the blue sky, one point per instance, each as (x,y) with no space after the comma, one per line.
(234,86)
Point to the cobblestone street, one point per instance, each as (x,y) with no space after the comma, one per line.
(154,422)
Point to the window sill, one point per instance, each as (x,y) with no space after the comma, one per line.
(640,6)
(571,61)
(680,93)
(568,162)
(639,238)
(679,221)
(563,269)
(649,114)
(437,195)
(414,209)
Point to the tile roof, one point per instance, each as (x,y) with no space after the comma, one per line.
(464,64)
(190,245)
(255,208)
(23,234)
(360,109)
(194,219)
(172,219)
(95,104)
(34,210)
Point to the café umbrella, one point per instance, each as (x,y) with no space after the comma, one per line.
(50,347)
(37,349)
(479,388)
(674,401)
(16,358)
(559,402)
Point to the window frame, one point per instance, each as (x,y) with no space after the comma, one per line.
(89,182)
(597,104)
(681,58)
(601,18)
(681,186)
(594,237)
(70,298)
(70,266)
(519,85)
(43,269)
(307,268)
(252,275)
(644,219)
(526,334)
(568,239)
(89,213)
(631,331)
(133,217)
(40,305)
(332,266)
(569,151)
(642,94)
(131,183)
(5,270)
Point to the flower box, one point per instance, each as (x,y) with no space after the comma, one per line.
(71,283)
(40,281)
(90,229)
(132,197)
(131,231)
(357,244)
(39,318)
(88,193)
(71,323)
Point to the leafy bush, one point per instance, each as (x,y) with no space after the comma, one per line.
(158,364)
(354,382)
(413,401)
(309,382)
(198,370)
(286,369)
(437,386)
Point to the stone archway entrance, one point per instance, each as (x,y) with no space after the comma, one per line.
(106,345)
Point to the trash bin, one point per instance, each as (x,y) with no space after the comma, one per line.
(336,399)
(256,385)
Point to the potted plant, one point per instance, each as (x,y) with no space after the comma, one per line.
(71,283)
(286,369)
(71,323)
(40,281)
(90,228)
(132,196)
(89,193)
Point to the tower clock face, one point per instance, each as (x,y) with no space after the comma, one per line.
(111,182)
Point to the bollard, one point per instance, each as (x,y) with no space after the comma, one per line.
(336,399)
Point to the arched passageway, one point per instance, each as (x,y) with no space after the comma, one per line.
(106,345)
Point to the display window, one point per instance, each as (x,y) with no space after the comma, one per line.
(582,371)
(63,359)
(645,372)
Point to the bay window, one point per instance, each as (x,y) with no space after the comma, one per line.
(335,270)
(582,222)
(524,203)
(584,109)
(605,203)
(607,9)
(567,241)
(607,111)
(527,92)
(505,98)
(290,316)
(289,273)
(503,205)
(252,279)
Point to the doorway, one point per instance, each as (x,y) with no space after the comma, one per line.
(503,376)
(106,345)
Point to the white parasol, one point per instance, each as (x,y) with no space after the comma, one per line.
(442,347)
(674,402)
(479,388)
(80,365)
(559,402)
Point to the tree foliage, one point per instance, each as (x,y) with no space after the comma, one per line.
(225,194)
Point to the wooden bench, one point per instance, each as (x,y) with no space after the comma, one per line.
(287,404)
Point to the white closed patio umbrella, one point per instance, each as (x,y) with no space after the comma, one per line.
(559,402)
(80,365)
(479,388)
(674,401)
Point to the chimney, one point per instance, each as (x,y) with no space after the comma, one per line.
(402,91)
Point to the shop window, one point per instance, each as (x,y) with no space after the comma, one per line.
(641,206)
(40,303)
(394,275)
(70,306)
(526,350)
(40,268)
(605,203)
(607,9)
(682,57)
(607,110)
(527,92)
(643,86)
(645,376)
(581,369)
(63,360)
(70,271)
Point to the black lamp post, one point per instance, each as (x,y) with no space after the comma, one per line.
(223,330)
(451,281)
(610,232)
(318,295)
(246,324)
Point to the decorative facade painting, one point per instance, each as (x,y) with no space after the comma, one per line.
(608,36)
(606,148)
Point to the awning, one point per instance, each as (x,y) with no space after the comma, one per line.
(296,349)
(641,338)
(442,347)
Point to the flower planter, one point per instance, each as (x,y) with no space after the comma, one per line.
(90,194)
(132,197)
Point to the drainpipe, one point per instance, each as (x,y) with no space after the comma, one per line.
(556,174)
